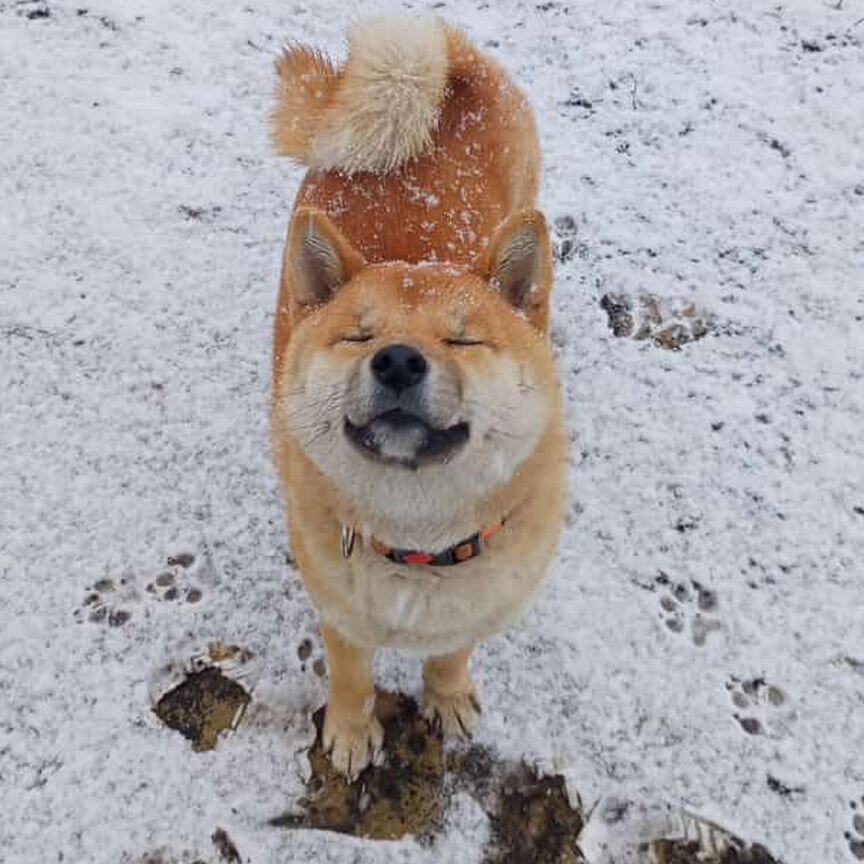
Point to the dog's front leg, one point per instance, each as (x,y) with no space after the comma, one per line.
(450,699)
(352,733)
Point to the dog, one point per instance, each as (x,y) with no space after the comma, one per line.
(417,424)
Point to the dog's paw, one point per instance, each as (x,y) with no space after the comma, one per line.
(452,713)
(352,742)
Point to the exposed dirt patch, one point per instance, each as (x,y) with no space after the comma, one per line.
(531,817)
(203,705)
(408,792)
(693,852)
(533,821)
(403,795)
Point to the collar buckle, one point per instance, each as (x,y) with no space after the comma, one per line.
(349,535)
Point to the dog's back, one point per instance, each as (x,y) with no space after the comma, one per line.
(419,146)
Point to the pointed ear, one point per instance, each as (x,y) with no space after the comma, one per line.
(322,260)
(518,264)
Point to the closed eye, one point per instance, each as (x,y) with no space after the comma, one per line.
(464,341)
(357,337)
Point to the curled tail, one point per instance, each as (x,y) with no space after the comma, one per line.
(378,110)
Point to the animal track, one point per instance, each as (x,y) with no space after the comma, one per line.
(677,601)
(668,323)
(173,583)
(855,836)
(99,606)
(758,704)
(304,653)
(565,245)
(107,600)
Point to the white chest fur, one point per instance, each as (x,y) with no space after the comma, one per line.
(432,610)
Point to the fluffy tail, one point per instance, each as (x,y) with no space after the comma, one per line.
(378,110)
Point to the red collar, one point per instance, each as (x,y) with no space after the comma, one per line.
(458,553)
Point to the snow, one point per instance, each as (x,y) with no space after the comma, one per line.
(712,152)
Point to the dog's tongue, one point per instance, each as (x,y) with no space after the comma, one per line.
(398,436)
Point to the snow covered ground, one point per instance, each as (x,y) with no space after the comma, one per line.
(701,640)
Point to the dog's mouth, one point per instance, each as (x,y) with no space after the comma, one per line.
(398,437)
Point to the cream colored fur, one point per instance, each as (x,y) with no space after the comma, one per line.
(379,110)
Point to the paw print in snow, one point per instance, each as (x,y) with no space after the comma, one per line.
(101,603)
(677,602)
(173,583)
(304,654)
(107,601)
(855,836)
(667,323)
(759,706)
(564,246)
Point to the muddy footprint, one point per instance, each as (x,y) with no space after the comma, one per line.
(668,323)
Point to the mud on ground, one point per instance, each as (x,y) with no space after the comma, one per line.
(530,815)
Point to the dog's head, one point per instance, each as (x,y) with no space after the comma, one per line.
(415,387)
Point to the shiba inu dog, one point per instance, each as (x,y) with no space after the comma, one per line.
(416,416)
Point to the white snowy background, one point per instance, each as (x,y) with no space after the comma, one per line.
(708,151)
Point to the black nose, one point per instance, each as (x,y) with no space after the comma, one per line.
(399,367)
